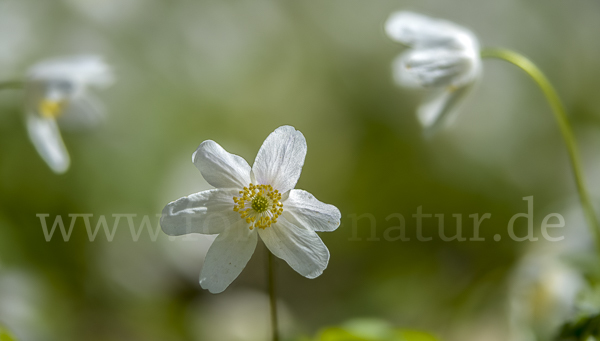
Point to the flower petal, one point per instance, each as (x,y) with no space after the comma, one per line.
(302,208)
(421,31)
(280,159)
(439,106)
(227,257)
(300,247)
(220,168)
(45,136)
(207,212)
(433,67)
(79,71)
(82,112)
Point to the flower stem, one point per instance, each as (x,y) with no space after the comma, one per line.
(14,84)
(272,296)
(565,128)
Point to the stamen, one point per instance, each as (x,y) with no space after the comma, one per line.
(265,205)
(51,109)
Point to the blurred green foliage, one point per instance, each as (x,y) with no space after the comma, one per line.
(5,335)
(584,329)
(371,330)
(232,72)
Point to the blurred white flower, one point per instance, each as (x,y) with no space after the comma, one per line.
(57,94)
(23,298)
(248,202)
(543,294)
(238,315)
(443,58)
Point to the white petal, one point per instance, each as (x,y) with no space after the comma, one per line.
(44,134)
(80,71)
(433,67)
(220,168)
(280,159)
(439,106)
(82,112)
(402,74)
(420,31)
(207,212)
(302,208)
(227,257)
(300,247)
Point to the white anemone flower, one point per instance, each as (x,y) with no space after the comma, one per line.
(544,293)
(57,95)
(443,58)
(250,202)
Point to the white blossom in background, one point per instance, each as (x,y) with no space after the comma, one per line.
(23,300)
(250,202)
(241,315)
(443,58)
(56,94)
(543,295)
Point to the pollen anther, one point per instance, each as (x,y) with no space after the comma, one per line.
(264,203)
(51,109)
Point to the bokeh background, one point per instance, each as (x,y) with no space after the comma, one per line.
(233,71)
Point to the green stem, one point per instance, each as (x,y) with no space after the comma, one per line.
(565,128)
(272,297)
(14,84)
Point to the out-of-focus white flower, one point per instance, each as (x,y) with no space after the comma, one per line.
(249,202)
(57,94)
(543,295)
(240,315)
(23,298)
(443,58)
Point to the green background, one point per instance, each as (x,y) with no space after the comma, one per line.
(233,71)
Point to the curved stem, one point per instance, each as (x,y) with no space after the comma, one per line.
(565,128)
(14,84)
(272,297)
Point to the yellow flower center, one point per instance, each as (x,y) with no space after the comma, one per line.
(51,109)
(259,205)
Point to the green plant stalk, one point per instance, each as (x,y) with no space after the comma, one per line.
(272,296)
(14,84)
(565,128)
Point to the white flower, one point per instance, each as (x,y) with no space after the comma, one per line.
(543,294)
(443,58)
(57,94)
(233,317)
(251,202)
(24,297)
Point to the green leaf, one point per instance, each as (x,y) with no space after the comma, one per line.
(339,334)
(371,330)
(5,335)
(581,329)
(414,335)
